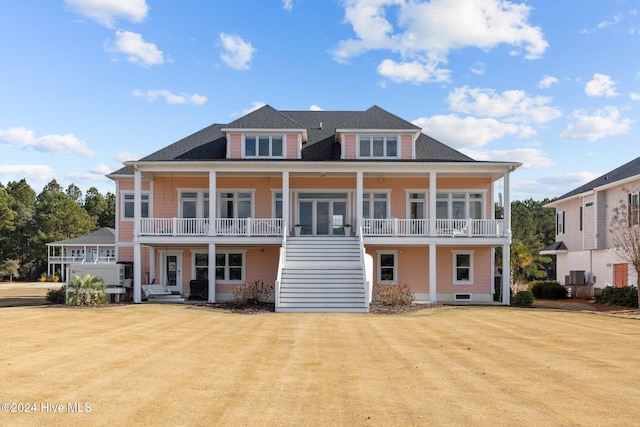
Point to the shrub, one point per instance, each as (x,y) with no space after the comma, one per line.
(57,296)
(626,296)
(523,298)
(548,289)
(87,291)
(255,292)
(42,278)
(398,295)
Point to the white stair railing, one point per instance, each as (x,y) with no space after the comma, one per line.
(281,262)
(366,280)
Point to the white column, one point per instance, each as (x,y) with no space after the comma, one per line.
(507,205)
(432,203)
(137,273)
(433,290)
(137,202)
(137,256)
(506,249)
(152,264)
(212,272)
(213,198)
(359,198)
(286,208)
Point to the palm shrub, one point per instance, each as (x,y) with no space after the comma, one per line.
(86,291)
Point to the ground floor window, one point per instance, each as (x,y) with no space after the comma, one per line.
(463,267)
(230,266)
(387,267)
(201,266)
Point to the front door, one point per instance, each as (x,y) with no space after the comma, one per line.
(620,275)
(172,271)
(323,214)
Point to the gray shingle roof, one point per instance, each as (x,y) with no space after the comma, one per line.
(321,145)
(104,236)
(625,171)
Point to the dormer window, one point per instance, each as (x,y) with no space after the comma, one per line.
(378,146)
(265,146)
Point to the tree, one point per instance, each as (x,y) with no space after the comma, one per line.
(101,208)
(11,268)
(74,193)
(625,232)
(17,242)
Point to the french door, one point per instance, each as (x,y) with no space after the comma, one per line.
(323,214)
(172,270)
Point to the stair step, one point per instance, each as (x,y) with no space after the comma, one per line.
(322,310)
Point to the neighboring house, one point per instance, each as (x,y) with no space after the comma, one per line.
(96,247)
(221,206)
(584,248)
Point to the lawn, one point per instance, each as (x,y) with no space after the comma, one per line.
(186,365)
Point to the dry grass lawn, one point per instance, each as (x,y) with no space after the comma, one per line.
(184,365)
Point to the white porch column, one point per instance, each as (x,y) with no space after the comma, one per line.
(506,249)
(286,203)
(359,199)
(433,289)
(432,203)
(137,256)
(152,264)
(212,272)
(213,198)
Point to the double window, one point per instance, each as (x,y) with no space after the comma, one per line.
(235,204)
(194,204)
(378,146)
(128,205)
(375,205)
(463,267)
(387,267)
(230,266)
(263,146)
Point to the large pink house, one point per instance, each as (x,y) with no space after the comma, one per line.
(325,205)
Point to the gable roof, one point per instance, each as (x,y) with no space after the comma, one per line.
(628,170)
(103,236)
(377,118)
(265,117)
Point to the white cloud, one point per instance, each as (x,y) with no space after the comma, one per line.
(569,180)
(605,122)
(469,132)
(478,68)
(511,104)
(287,5)
(53,143)
(125,156)
(414,72)
(616,19)
(529,157)
(426,32)
(237,53)
(254,106)
(94,174)
(601,85)
(547,81)
(635,96)
(38,173)
(315,107)
(170,98)
(106,12)
(137,50)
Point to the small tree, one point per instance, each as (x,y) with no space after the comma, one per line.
(11,268)
(625,232)
(86,290)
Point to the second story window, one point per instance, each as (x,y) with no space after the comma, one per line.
(634,209)
(237,204)
(375,205)
(560,223)
(263,146)
(378,147)
(128,206)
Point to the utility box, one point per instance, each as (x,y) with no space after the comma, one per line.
(112,274)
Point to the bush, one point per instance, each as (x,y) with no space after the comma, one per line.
(57,296)
(523,298)
(42,278)
(626,296)
(87,291)
(548,289)
(255,292)
(398,295)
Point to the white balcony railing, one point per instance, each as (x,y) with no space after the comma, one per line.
(433,228)
(211,227)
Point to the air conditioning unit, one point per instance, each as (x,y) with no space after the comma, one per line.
(577,277)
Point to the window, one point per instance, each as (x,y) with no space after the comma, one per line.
(460,205)
(230,266)
(201,266)
(277,205)
(463,267)
(128,205)
(263,146)
(194,203)
(417,205)
(560,223)
(581,218)
(387,267)
(378,146)
(375,205)
(238,204)
(634,209)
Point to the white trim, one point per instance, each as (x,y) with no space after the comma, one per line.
(235,191)
(393,252)
(124,193)
(226,252)
(456,296)
(257,136)
(200,200)
(409,191)
(469,252)
(163,267)
(371,199)
(384,146)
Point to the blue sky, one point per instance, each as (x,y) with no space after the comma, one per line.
(87,84)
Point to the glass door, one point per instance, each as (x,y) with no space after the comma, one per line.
(172,271)
(323,214)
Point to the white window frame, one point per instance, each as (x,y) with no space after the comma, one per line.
(201,201)
(226,253)
(467,201)
(371,194)
(456,267)
(257,136)
(235,192)
(193,263)
(560,222)
(379,267)
(274,200)
(422,192)
(359,155)
(123,202)
(634,209)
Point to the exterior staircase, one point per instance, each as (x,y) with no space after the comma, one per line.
(322,274)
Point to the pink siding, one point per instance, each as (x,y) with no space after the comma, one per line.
(292,146)
(235,146)
(482,268)
(125,228)
(350,147)
(406,147)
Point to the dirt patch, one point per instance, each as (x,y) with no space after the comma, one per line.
(578,304)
